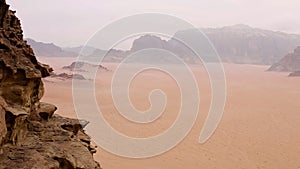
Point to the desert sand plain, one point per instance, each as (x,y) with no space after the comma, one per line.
(259,128)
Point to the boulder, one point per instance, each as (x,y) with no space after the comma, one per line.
(46,110)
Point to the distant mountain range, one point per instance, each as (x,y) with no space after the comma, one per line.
(42,49)
(49,49)
(235,44)
(244,44)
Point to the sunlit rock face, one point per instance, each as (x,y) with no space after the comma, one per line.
(30,135)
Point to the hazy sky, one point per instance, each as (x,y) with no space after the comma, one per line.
(72,22)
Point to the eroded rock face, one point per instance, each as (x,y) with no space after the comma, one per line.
(30,135)
(59,143)
(20,72)
(3,129)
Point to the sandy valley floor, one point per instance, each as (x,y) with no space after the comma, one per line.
(259,128)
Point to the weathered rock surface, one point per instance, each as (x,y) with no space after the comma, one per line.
(56,143)
(30,136)
(290,63)
(20,72)
(3,129)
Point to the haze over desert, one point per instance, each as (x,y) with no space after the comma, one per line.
(154,84)
(259,128)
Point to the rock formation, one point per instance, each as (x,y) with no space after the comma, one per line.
(65,76)
(173,46)
(30,136)
(149,41)
(293,74)
(289,63)
(83,66)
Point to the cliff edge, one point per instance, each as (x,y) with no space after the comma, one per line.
(31,136)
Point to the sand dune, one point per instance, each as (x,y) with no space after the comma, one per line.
(259,129)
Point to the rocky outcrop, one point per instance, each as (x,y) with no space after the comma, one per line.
(20,72)
(289,63)
(83,66)
(57,143)
(293,74)
(149,41)
(173,46)
(30,135)
(65,76)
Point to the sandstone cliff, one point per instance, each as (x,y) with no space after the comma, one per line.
(30,136)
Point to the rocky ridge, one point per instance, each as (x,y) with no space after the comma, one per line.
(235,44)
(31,136)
